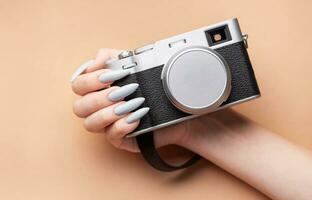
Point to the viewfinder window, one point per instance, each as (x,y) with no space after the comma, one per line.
(218,35)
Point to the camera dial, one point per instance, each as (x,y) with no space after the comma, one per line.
(125,54)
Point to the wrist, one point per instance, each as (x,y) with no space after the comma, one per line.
(214,132)
(252,153)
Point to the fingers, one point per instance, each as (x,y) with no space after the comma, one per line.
(97,121)
(89,82)
(94,101)
(106,116)
(117,131)
(125,125)
(99,79)
(102,106)
(81,69)
(102,57)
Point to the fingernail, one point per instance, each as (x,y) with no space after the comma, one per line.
(122,92)
(129,106)
(113,75)
(135,116)
(81,69)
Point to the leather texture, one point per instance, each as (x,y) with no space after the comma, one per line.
(243,81)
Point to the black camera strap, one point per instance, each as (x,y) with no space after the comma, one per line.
(149,152)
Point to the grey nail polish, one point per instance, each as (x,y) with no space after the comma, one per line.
(113,75)
(122,92)
(129,106)
(135,116)
(81,69)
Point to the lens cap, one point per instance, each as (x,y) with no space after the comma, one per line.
(196,80)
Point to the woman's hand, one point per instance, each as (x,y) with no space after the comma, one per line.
(269,163)
(104,109)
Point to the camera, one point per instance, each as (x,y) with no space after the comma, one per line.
(189,75)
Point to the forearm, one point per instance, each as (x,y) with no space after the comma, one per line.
(264,160)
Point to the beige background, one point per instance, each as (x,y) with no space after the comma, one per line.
(44,151)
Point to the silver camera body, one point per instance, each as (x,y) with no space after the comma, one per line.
(190,74)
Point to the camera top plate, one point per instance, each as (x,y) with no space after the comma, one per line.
(159,52)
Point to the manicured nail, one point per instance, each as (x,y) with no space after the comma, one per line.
(81,69)
(113,75)
(122,92)
(129,106)
(135,116)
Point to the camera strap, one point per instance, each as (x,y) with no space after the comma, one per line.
(147,147)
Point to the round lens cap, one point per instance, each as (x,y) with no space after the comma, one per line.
(197,80)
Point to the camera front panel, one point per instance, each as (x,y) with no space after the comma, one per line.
(163,113)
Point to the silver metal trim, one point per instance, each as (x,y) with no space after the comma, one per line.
(188,117)
(165,76)
(143,49)
(129,65)
(178,42)
(161,52)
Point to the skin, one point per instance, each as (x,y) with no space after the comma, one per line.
(269,163)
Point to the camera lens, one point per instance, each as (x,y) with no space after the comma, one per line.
(196,80)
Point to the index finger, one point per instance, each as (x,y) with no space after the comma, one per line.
(102,57)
